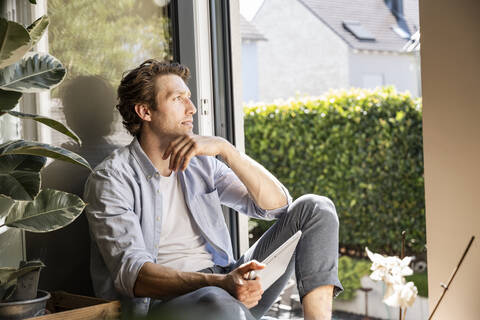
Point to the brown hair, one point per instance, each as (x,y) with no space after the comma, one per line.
(138,86)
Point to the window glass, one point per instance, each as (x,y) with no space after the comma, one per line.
(9,126)
(98,41)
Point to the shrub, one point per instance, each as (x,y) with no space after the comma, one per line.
(350,271)
(362,149)
(421,282)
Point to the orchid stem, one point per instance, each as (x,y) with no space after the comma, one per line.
(404,314)
(402,255)
(445,287)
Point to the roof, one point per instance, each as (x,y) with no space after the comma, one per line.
(249,32)
(373,15)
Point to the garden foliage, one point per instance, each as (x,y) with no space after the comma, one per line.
(350,272)
(362,149)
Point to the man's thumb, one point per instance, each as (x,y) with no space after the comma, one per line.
(251,265)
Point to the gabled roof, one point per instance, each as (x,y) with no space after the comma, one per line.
(373,15)
(249,32)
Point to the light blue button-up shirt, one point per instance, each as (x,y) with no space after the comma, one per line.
(124,211)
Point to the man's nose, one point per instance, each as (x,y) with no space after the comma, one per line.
(191,107)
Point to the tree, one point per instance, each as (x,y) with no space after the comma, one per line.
(106,38)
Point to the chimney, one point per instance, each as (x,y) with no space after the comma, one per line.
(396,7)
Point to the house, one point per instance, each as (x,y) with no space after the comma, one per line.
(317,45)
(250,37)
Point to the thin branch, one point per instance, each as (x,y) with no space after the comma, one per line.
(445,287)
(402,255)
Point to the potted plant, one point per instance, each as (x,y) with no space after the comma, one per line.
(23,204)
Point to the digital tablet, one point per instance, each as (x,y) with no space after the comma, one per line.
(276,263)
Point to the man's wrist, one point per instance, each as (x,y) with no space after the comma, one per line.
(227,150)
(215,280)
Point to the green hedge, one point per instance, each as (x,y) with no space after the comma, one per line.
(421,282)
(350,271)
(361,148)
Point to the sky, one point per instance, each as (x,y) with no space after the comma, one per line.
(248,8)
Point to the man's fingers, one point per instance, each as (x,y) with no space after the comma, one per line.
(176,149)
(179,155)
(175,152)
(251,300)
(190,153)
(251,265)
(171,145)
(255,286)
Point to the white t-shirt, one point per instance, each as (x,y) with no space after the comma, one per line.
(181,246)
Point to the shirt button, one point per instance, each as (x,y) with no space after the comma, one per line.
(159,191)
(158,219)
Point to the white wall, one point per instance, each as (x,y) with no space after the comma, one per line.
(400,70)
(450,53)
(249,71)
(302,55)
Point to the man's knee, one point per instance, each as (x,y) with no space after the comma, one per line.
(212,294)
(313,206)
(206,303)
(220,302)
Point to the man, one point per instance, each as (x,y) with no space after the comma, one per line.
(154,210)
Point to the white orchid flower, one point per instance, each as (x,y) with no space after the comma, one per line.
(392,270)
(389,269)
(401,295)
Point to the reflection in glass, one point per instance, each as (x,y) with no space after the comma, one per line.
(97,41)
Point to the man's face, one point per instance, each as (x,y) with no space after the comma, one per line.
(174,113)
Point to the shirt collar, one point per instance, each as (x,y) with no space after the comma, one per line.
(141,157)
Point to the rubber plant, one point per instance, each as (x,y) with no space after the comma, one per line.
(23,204)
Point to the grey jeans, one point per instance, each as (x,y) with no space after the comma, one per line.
(315,263)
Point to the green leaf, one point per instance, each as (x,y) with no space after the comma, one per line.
(20,175)
(14,42)
(6,204)
(8,100)
(42,149)
(28,267)
(5,274)
(9,276)
(8,273)
(54,124)
(36,72)
(7,291)
(33,1)
(7,286)
(51,210)
(37,28)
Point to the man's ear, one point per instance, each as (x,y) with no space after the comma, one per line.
(143,111)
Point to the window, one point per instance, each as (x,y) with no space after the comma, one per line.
(96,41)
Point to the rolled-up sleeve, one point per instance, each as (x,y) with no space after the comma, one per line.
(116,228)
(234,194)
